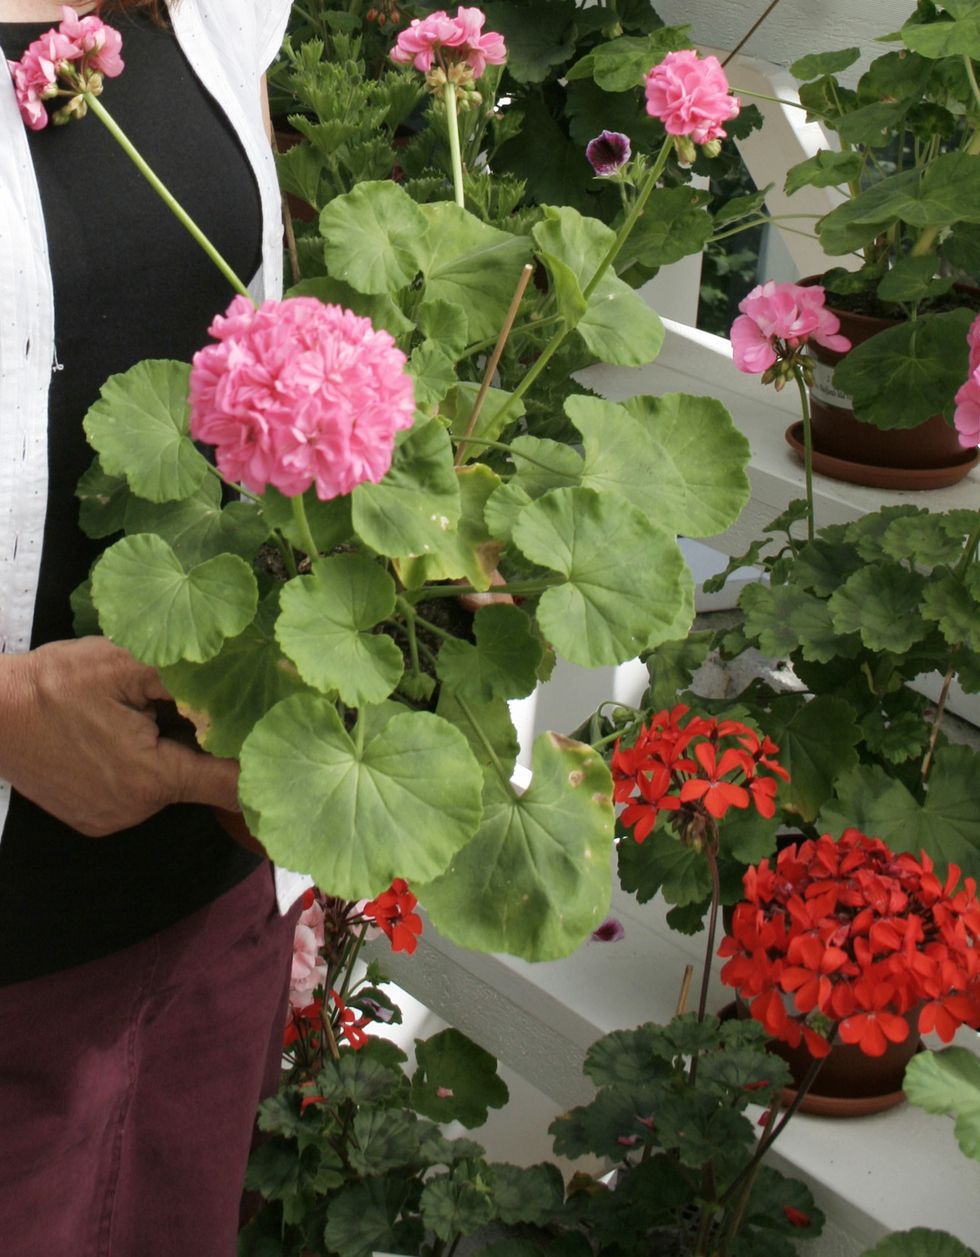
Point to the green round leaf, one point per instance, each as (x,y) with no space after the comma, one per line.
(680,459)
(102,502)
(198,527)
(148,602)
(456,1080)
(225,696)
(908,373)
(504,661)
(452,1207)
(948,1082)
(372,237)
(139,428)
(531,1194)
(535,880)
(326,623)
(401,806)
(626,583)
(920,1242)
(882,604)
(417,503)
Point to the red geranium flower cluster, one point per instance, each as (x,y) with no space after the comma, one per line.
(855,938)
(703,766)
(392,913)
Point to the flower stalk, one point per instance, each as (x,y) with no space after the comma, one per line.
(171,202)
(455,153)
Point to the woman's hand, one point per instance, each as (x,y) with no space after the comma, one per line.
(78,738)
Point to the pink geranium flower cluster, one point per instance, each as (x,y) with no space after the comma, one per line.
(450,41)
(779,319)
(967,414)
(298,393)
(63,61)
(690,96)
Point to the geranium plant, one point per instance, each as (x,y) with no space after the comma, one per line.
(304,628)
(909,163)
(859,938)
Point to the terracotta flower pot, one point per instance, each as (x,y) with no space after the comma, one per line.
(925,457)
(850,1083)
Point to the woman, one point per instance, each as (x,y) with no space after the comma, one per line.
(143,954)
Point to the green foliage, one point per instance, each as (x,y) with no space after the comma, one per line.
(948,1082)
(456,1080)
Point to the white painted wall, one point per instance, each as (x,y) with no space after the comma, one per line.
(795,27)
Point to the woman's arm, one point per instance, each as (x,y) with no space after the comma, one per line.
(78,738)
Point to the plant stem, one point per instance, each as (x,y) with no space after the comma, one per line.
(710,853)
(514,587)
(807,449)
(937,719)
(303,524)
(483,739)
(502,445)
(495,357)
(632,218)
(731,1231)
(452,124)
(165,195)
(286,550)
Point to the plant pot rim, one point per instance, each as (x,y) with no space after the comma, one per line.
(881,477)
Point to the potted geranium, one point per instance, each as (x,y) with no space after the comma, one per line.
(382,473)
(909,162)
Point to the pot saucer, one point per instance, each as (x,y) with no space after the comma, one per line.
(883,477)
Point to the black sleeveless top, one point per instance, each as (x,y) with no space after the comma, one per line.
(129,283)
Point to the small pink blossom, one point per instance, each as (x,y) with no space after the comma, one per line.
(787,313)
(298,393)
(450,41)
(610,931)
(64,58)
(973,340)
(966,417)
(309,969)
(690,96)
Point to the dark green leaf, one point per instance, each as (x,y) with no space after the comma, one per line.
(456,1080)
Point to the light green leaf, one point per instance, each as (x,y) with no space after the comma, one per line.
(946,826)
(355,819)
(913,279)
(948,1082)
(326,628)
(445,323)
(626,584)
(383,312)
(920,1242)
(567,290)
(434,373)
(881,603)
(451,1062)
(498,412)
(618,326)
(925,538)
(503,663)
(624,63)
(160,612)
(227,695)
(814,65)
(417,503)
(959,38)
(139,429)
(372,237)
(470,551)
(825,169)
(535,881)
(470,265)
(198,527)
(678,458)
(102,502)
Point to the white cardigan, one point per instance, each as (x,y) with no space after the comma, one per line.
(229,43)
